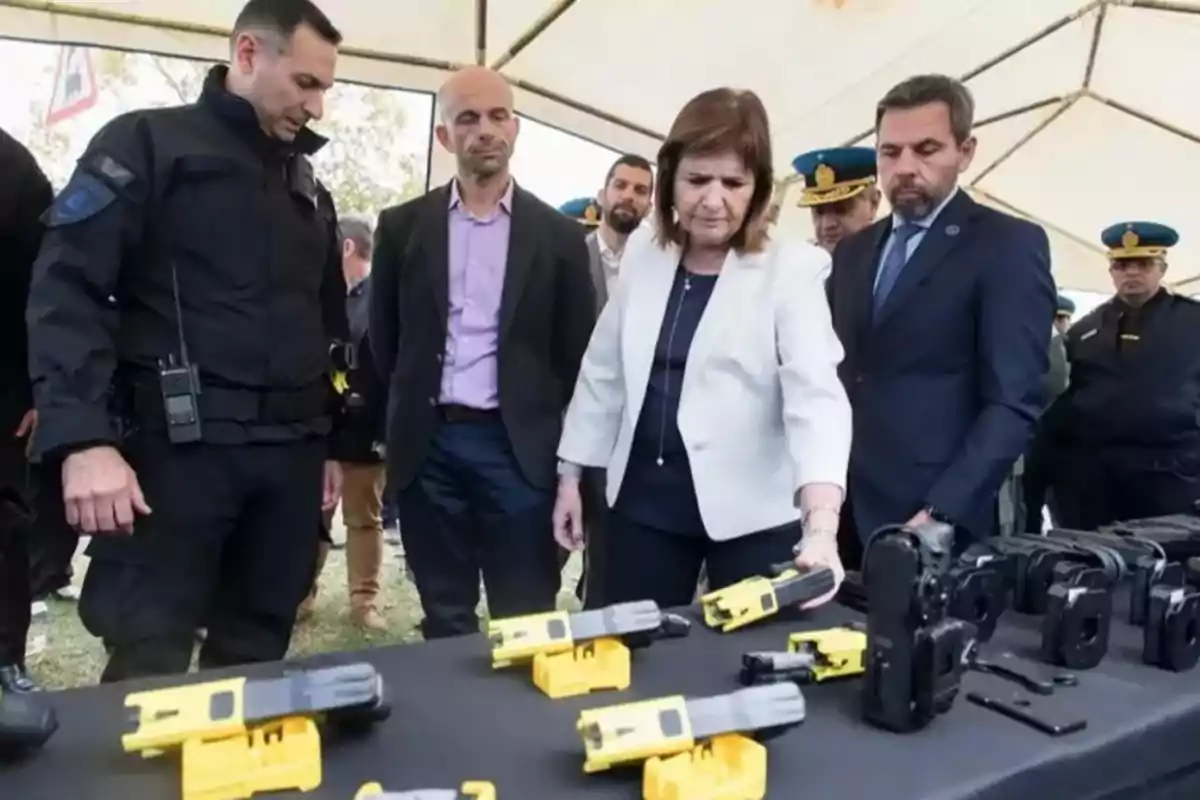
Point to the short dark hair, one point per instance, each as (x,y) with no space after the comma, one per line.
(630,160)
(358,231)
(283,17)
(922,90)
(714,122)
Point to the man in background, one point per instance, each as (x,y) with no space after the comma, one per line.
(481,310)
(615,213)
(840,190)
(25,195)
(944,308)
(357,443)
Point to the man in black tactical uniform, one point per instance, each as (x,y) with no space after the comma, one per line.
(1128,426)
(190,415)
(26,195)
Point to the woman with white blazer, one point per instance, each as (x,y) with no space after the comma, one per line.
(709,390)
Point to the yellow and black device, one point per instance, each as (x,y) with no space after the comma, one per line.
(517,640)
(471,790)
(812,657)
(670,726)
(167,718)
(760,597)
(574,654)
(277,756)
(728,767)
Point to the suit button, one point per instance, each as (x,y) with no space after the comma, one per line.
(433,401)
(439,358)
(860,379)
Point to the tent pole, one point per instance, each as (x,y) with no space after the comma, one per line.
(1097,32)
(1024,140)
(1144,117)
(1016,112)
(1020,46)
(481,18)
(535,30)
(1033,218)
(1029,41)
(599,114)
(1165,5)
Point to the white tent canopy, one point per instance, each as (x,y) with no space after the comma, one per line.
(1087,111)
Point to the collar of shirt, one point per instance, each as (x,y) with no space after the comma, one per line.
(927,221)
(506,199)
(610,257)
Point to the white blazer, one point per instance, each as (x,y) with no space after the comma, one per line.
(762,411)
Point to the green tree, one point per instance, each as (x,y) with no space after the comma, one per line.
(361,165)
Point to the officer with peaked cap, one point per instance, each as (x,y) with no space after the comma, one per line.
(584,209)
(1128,423)
(1063,314)
(839,188)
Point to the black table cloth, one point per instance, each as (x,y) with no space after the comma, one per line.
(455,719)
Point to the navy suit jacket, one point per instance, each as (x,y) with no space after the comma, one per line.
(947,379)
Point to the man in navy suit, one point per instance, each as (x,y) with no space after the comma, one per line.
(945,309)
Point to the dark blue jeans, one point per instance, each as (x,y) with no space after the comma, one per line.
(468,512)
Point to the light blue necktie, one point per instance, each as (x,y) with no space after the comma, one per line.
(897,256)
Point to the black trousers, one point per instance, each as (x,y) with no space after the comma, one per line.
(1100,486)
(53,544)
(470,511)
(592,581)
(15,524)
(644,563)
(229,545)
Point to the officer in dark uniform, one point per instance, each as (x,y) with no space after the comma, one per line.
(191,415)
(840,190)
(1126,426)
(25,196)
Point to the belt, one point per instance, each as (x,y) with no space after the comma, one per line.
(229,404)
(452,412)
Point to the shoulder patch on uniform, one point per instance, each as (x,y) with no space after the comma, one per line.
(108,167)
(84,197)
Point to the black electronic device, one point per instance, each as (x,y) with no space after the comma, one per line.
(179,381)
(1147,574)
(915,649)
(1172,634)
(1029,712)
(979,594)
(27,722)
(180,394)
(1077,622)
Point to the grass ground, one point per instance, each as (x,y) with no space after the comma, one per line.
(73,658)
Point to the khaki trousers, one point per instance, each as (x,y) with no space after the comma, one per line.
(362,512)
(362,509)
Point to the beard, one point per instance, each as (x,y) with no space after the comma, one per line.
(911,201)
(623,220)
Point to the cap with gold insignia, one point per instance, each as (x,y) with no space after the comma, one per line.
(1139,240)
(1066,306)
(584,209)
(834,174)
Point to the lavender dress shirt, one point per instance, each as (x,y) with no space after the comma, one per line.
(478,257)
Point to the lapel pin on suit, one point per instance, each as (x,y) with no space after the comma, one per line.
(953,230)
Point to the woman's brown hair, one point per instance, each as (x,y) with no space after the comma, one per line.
(712,123)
